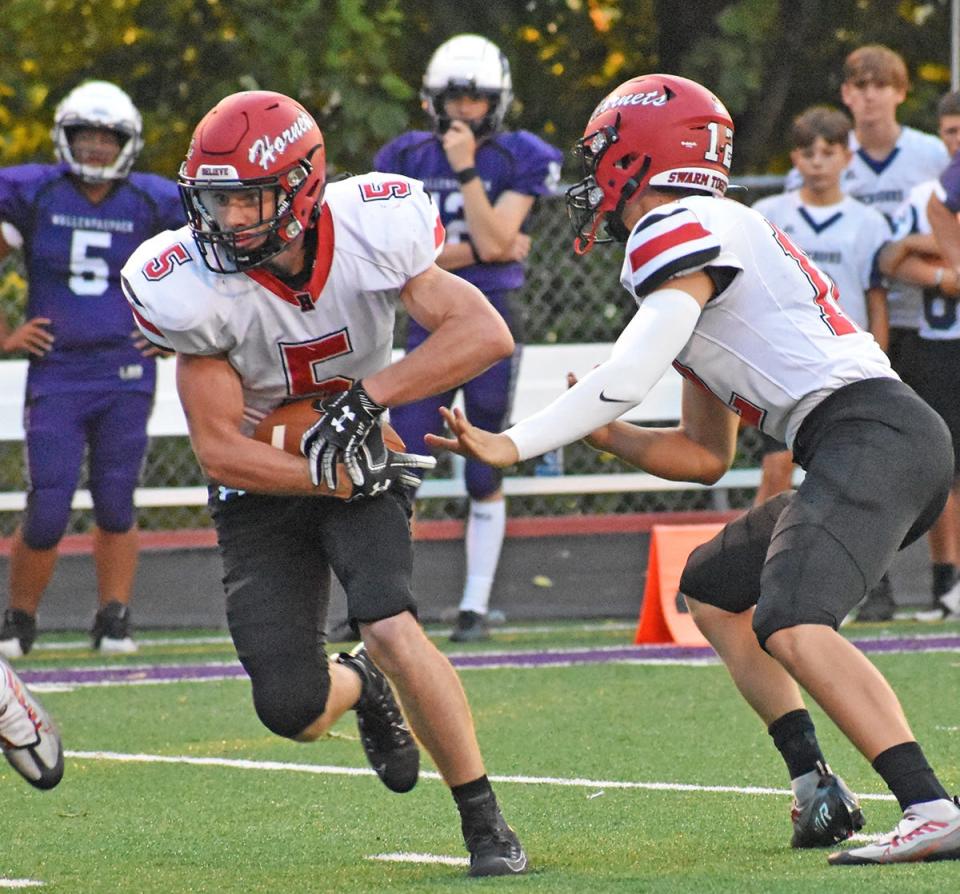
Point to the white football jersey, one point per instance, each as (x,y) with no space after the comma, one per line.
(842,240)
(774,340)
(375,232)
(939,320)
(885,185)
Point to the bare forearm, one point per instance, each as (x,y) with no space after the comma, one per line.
(665,452)
(457,351)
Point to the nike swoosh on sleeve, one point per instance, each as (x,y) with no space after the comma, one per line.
(613,400)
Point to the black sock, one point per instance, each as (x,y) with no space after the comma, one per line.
(471,793)
(944,574)
(796,740)
(908,775)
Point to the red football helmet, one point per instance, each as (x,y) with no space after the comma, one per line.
(255,140)
(656,130)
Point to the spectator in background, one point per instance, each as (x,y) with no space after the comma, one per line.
(933,367)
(841,235)
(889,159)
(485,181)
(91,377)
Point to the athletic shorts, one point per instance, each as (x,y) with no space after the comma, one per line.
(278,553)
(935,375)
(878,467)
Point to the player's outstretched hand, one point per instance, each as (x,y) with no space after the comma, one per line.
(472,442)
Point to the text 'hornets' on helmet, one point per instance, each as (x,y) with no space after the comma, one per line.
(98,104)
(471,65)
(263,149)
(658,131)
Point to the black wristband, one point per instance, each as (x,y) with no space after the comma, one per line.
(473,251)
(466,175)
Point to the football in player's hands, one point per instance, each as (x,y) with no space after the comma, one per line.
(285,426)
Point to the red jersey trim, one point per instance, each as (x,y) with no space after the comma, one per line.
(321,266)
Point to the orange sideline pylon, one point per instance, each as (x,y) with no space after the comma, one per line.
(663,616)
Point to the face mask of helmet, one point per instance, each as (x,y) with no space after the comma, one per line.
(251,244)
(584,199)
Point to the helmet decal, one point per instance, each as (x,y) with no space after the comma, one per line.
(659,131)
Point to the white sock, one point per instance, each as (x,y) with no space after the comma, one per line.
(804,786)
(485,529)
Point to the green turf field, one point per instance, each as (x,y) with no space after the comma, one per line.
(604,769)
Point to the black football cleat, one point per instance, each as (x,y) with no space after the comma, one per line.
(494,847)
(830,816)
(471,627)
(387,740)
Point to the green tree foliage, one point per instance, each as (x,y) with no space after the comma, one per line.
(357,64)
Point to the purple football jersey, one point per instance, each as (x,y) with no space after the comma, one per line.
(515,161)
(74,250)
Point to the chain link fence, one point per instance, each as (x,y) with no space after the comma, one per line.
(567,299)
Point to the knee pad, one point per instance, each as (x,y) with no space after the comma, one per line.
(113,504)
(725,571)
(46,517)
(481,480)
(289,693)
(809,578)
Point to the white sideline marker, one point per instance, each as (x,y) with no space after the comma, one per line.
(20,883)
(421,858)
(325,770)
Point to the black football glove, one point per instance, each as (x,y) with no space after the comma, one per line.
(347,420)
(382,468)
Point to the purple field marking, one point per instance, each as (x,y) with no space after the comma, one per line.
(171,673)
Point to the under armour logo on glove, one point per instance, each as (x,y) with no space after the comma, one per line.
(346,417)
(382,467)
(347,420)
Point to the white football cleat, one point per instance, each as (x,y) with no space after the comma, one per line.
(947,607)
(28,737)
(927,832)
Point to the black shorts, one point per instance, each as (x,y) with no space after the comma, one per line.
(901,344)
(278,553)
(935,375)
(878,467)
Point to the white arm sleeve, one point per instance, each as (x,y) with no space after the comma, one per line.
(647,346)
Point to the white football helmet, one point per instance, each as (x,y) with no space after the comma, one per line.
(468,63)
(98,104)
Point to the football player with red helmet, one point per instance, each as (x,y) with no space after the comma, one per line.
(282,287)
(757,332)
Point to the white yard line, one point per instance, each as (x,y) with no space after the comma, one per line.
(597,786)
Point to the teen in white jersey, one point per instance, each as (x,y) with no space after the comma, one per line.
(279,289)
(756,329)
(934,366)
(841,235)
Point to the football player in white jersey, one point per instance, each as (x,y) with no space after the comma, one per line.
(756,330)
(841,235)
(283,286)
